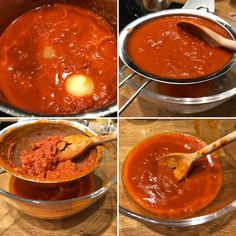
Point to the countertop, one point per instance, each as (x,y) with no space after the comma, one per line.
(103,213)
(141,107)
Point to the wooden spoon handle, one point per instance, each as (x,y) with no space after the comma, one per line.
(104,139)
(222,41)
(216,145)
(228,43)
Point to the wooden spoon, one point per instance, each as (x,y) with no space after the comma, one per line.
(209,36)
(74,145)
(182,162)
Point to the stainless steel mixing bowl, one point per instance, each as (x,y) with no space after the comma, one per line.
(203,13)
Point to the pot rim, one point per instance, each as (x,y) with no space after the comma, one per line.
(101,112)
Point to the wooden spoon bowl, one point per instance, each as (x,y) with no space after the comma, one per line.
(209,36)
(182,162)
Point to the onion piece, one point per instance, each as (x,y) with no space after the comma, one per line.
(79,85)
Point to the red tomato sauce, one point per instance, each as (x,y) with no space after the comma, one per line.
(154,187)
(30,190)
(190,91)
(41,162)
(163,49)
(47,45)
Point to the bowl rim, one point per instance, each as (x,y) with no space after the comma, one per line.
(92,195)
(188,100)
(207,99)
(180,222)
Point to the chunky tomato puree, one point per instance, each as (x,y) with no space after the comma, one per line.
(153,185)
(35,191)
(58,59)
(41,161)
(161,48)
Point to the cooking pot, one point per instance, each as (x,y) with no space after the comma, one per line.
(11,10)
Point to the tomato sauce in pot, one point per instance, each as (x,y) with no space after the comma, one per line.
(154,187)
(58,59)
(159,47)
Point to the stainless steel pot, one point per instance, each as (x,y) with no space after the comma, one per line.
(202,9)
(12,9)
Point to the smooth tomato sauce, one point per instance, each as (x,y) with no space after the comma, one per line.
(161,48)
(154,187)
(44,48)
(30,190)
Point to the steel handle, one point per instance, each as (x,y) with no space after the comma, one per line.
(198,4)
(155,5)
